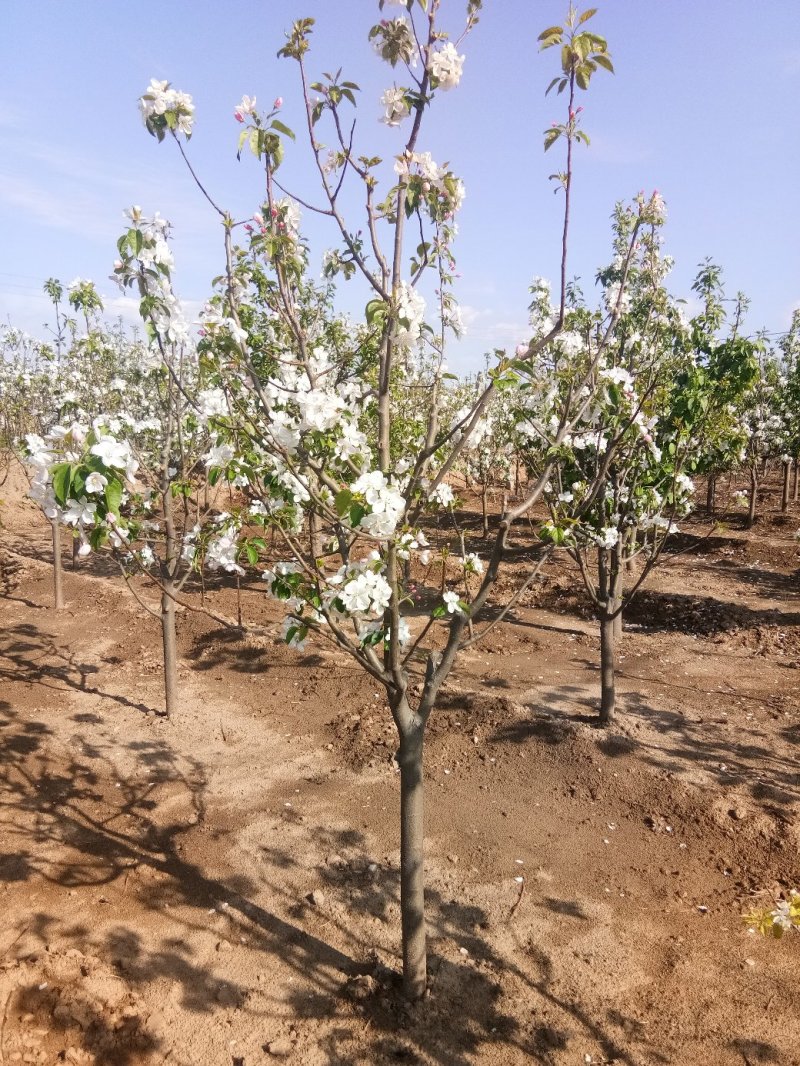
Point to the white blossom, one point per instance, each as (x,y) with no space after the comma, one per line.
(446,66)
(395,106)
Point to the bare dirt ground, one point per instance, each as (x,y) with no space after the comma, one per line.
(222,888)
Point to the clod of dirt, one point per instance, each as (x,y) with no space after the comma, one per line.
(361,987)
(228,996)
(280,1048)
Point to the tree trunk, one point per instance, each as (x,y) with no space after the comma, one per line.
(711,493)
(169,642)
(785,492)
(485,507)
(412,870)
(795,485)
(608,694)
(314,537)
(608,586)
(751,511)
(630,549)
(58,587)
(617,586)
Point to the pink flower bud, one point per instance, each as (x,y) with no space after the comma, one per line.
(238,116)
(522,350)
(278,103)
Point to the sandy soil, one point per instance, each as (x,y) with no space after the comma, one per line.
(222,888)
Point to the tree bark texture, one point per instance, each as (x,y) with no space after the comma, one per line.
(58,570)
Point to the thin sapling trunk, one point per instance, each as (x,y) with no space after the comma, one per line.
(58,573)
(751,510)
(711,494)
(607,670)
(169,641)
(412,869)
(785,493)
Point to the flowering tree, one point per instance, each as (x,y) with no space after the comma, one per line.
(620,480)
(314,433)
(766,423)
(724,367)
(59,393)
(789,347)
(126,469)
(490,454)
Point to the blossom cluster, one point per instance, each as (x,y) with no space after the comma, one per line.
(164,108)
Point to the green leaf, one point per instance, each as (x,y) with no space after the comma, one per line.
(439,612)
(252,554)
(79,482)
(357,512)
(62,478)
(135,240)
(604,62)
(587,15)
(550,138)
(282,128)
(343,500)
(551,31)
(375,310)
(113,495)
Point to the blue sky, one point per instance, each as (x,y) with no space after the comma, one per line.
(701,108)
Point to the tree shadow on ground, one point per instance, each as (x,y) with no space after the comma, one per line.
(31,656)
(80,825)
(653,611)
(37,546)
(733,756)
(232,649)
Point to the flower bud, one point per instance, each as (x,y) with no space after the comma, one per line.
(278,103)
